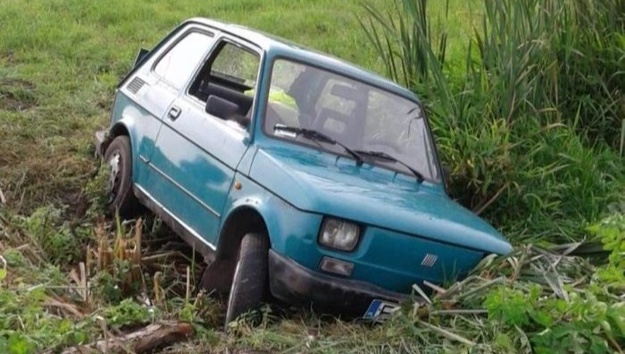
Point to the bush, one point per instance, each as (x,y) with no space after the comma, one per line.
(530,148)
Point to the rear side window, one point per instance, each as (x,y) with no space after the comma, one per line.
(177,66)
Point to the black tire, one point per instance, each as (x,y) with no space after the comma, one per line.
(250,280)
(121,199)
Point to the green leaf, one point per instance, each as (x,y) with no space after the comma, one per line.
(18,344)
(542,318)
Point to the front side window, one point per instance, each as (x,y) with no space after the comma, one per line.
(177,65)
(360,116)
(227,81)
(237,64)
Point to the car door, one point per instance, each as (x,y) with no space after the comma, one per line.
(197,152)
(148,93)
(155,86)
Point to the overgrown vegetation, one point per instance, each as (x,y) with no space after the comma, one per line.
(529,118)
(535,300)
(526,100)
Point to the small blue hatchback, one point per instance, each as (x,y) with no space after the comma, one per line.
(295,174)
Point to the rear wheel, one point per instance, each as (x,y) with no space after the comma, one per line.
(250,280)
(118,158)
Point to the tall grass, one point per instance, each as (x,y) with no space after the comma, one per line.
(532,144)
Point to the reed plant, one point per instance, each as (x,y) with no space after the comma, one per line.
(529,121)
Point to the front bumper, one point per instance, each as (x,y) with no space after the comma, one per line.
(293,283)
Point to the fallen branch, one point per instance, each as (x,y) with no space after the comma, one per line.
(455,288)
(65,307)
(160,256)
(459,312)
(434,287)
(446,333)
(140,341)
(480,288)
(417,288)
(3,200)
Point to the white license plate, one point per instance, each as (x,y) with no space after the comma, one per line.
(380,310)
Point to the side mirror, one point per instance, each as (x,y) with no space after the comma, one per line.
(140,56)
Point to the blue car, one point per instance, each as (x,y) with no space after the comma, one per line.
(295,174)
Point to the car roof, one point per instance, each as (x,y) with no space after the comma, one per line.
(277,46)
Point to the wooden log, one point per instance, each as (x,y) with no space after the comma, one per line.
(141,341)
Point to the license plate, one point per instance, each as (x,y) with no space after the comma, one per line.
(380,310)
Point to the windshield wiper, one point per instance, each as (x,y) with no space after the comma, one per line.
(318,136)
(385,156)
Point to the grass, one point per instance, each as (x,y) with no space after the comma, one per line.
(59,63)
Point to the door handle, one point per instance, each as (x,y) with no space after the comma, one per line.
(174,112)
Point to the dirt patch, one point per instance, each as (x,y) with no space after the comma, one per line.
(16,95)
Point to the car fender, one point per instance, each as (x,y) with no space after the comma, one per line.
(288,228)
(123,126)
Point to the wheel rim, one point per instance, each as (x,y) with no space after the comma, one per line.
(114,164)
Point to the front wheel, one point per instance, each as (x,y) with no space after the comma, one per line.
(118,158)
(250,280)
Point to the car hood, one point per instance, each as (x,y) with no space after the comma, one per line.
(323,183)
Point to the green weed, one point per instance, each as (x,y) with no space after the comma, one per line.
(32,318)
(62,243)
(127,312)
(611,232)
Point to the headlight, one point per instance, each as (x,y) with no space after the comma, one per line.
(339,234)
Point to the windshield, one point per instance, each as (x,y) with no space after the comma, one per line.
(360,116)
